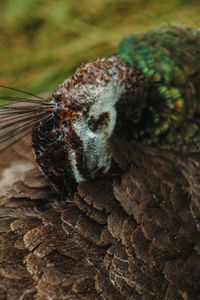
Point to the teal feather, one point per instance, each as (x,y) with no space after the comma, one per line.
(170,57)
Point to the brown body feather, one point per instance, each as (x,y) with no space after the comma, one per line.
(133,235)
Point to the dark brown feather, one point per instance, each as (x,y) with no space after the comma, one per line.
(131,235)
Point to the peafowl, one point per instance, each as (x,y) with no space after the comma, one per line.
(119,143)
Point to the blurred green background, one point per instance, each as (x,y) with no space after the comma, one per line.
(43,42)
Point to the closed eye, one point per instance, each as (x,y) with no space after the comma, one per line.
(99,123)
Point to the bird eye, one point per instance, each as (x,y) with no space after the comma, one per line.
(99,123)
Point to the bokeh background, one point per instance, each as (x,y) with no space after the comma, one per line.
(43,42)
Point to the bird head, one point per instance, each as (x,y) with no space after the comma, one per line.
(75,144)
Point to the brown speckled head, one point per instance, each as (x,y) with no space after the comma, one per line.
(74,144)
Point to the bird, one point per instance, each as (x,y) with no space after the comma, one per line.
(117,214)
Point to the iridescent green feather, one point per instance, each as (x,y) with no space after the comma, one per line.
(170,57)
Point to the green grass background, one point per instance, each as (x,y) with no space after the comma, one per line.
(43,42)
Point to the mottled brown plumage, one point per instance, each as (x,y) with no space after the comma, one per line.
(132,234)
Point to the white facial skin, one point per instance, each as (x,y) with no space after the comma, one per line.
(96,154)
